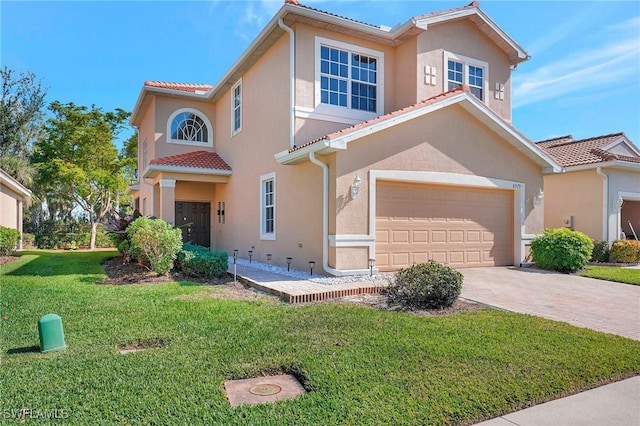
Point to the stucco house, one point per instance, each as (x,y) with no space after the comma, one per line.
(335,141)
(599,193)
(13,197)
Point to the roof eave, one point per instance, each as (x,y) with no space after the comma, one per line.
(324,146)
(154,169)
(7,180)
(612,164)
(136,117)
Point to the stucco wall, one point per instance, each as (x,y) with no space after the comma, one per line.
(578,194)
(9,208)
(463,38)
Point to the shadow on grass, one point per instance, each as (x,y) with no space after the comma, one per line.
(24,350)
(52,263)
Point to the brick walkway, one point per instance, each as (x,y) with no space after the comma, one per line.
(584,302)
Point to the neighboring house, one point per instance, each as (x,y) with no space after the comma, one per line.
(599,193)
(13,198)
(334,141)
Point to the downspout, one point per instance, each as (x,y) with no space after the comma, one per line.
(292,81)
(325,214)
(605,217)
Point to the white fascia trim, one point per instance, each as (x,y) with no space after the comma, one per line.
(8,181)
(198,113)
(425,22)
(179,169)
(621,140)
(523,140)
(302,154)
(167,183)
(456,179)
(631,196)
(613,164)
(319,114)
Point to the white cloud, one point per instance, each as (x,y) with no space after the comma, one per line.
(592,69)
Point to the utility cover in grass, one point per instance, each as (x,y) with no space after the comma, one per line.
(262,389)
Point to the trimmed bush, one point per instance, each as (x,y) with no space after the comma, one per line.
(102,239)
(428,285)
(561,249)
(625,251)
(199,261)
(600,252)
(8,240)
(155,243)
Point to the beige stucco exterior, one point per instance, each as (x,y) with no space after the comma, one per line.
(450,145)
(586,199)
(13,198)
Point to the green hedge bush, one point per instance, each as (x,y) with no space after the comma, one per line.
(428,285)
(28,240)
(600,252)
(199,261)
(155,243)
(8,240)
(625,251)
(561,249)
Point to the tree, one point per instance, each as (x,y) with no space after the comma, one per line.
(77,157)
(21,112)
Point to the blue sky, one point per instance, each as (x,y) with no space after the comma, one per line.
(583,77)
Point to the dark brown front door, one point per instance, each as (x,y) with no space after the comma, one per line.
(194,219)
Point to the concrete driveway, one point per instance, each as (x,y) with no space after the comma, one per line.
(584,302)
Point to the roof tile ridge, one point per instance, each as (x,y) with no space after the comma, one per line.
(601,137)
(473,4)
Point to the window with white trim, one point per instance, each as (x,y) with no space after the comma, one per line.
(268,206)
(349,79)
(236,108)
(466,71)
(188,126)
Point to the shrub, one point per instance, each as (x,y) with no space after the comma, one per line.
(200,261)
(428,285)
(600,252)
(46,241)
(28,240)
(102,239)
(8,240)
(155,243)
(625,251)
(561,249)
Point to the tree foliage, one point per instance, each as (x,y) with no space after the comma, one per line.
(21,112)
(77,158)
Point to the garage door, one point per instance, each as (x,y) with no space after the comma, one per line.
(463,227)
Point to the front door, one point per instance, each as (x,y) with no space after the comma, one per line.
(194,219)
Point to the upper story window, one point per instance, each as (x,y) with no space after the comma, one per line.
(236,108)
(189,127)
(466,71)
(349,80)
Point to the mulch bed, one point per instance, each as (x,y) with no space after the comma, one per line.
(6,259)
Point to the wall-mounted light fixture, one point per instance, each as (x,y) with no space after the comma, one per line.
(538,198)
(371,263)
(250,254)
(311,265)
(269,259)
(355,186)
(289,259)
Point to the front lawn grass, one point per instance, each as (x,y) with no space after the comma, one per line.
(613,273)
(361,366)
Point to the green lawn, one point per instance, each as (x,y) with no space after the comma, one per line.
(361,366)
(613,273)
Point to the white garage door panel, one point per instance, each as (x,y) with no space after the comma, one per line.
(455,225)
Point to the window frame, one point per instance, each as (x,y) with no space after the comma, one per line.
(202,116)
(264,235)
(466,63)
(234,108)
(348,112)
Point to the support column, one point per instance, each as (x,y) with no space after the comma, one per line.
(168,200)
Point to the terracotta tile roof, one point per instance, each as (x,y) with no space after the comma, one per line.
(196,159)
(444,12)
(296,3)
(184,87)
(388,116)
(569,152)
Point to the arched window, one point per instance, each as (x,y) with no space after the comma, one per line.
(190,127)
